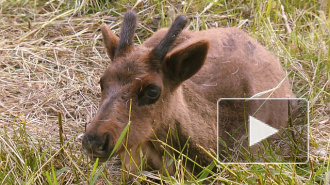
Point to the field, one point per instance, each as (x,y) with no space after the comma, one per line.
(52,56)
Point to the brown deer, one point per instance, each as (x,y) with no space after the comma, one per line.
(174,80)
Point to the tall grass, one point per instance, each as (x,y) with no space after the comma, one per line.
(51,58)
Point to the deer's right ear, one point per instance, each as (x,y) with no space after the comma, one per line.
(110,41)
(185,61)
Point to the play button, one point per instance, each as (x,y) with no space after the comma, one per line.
(262,130)
(259,131)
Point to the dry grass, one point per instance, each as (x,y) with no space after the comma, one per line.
(51,58)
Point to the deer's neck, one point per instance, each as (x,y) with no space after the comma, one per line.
(194,119)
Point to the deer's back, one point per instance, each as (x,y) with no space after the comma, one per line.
(235,64)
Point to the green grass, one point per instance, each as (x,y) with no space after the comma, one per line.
(51,58)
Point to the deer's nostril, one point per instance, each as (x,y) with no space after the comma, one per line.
(106,142)
(94,144)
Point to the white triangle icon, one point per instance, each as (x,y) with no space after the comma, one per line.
(259,131)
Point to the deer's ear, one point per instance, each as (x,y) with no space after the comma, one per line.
(183,62)
(110,41)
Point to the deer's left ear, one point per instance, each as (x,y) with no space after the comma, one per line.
(183,62)
(110,41)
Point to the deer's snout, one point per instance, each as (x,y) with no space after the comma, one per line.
(97,146)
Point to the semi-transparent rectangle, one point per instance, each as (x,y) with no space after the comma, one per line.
(289,116)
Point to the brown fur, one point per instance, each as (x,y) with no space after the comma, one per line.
(199,68)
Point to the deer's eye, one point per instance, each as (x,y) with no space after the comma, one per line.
(153,92)
(149,95)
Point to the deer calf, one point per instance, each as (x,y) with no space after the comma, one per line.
(174,80)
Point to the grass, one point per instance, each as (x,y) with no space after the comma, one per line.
(51,58)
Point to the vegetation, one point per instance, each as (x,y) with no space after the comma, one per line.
(51,58)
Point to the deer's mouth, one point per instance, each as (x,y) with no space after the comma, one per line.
(101,159)
(102,156)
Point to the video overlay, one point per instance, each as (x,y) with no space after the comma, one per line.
(262,130)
